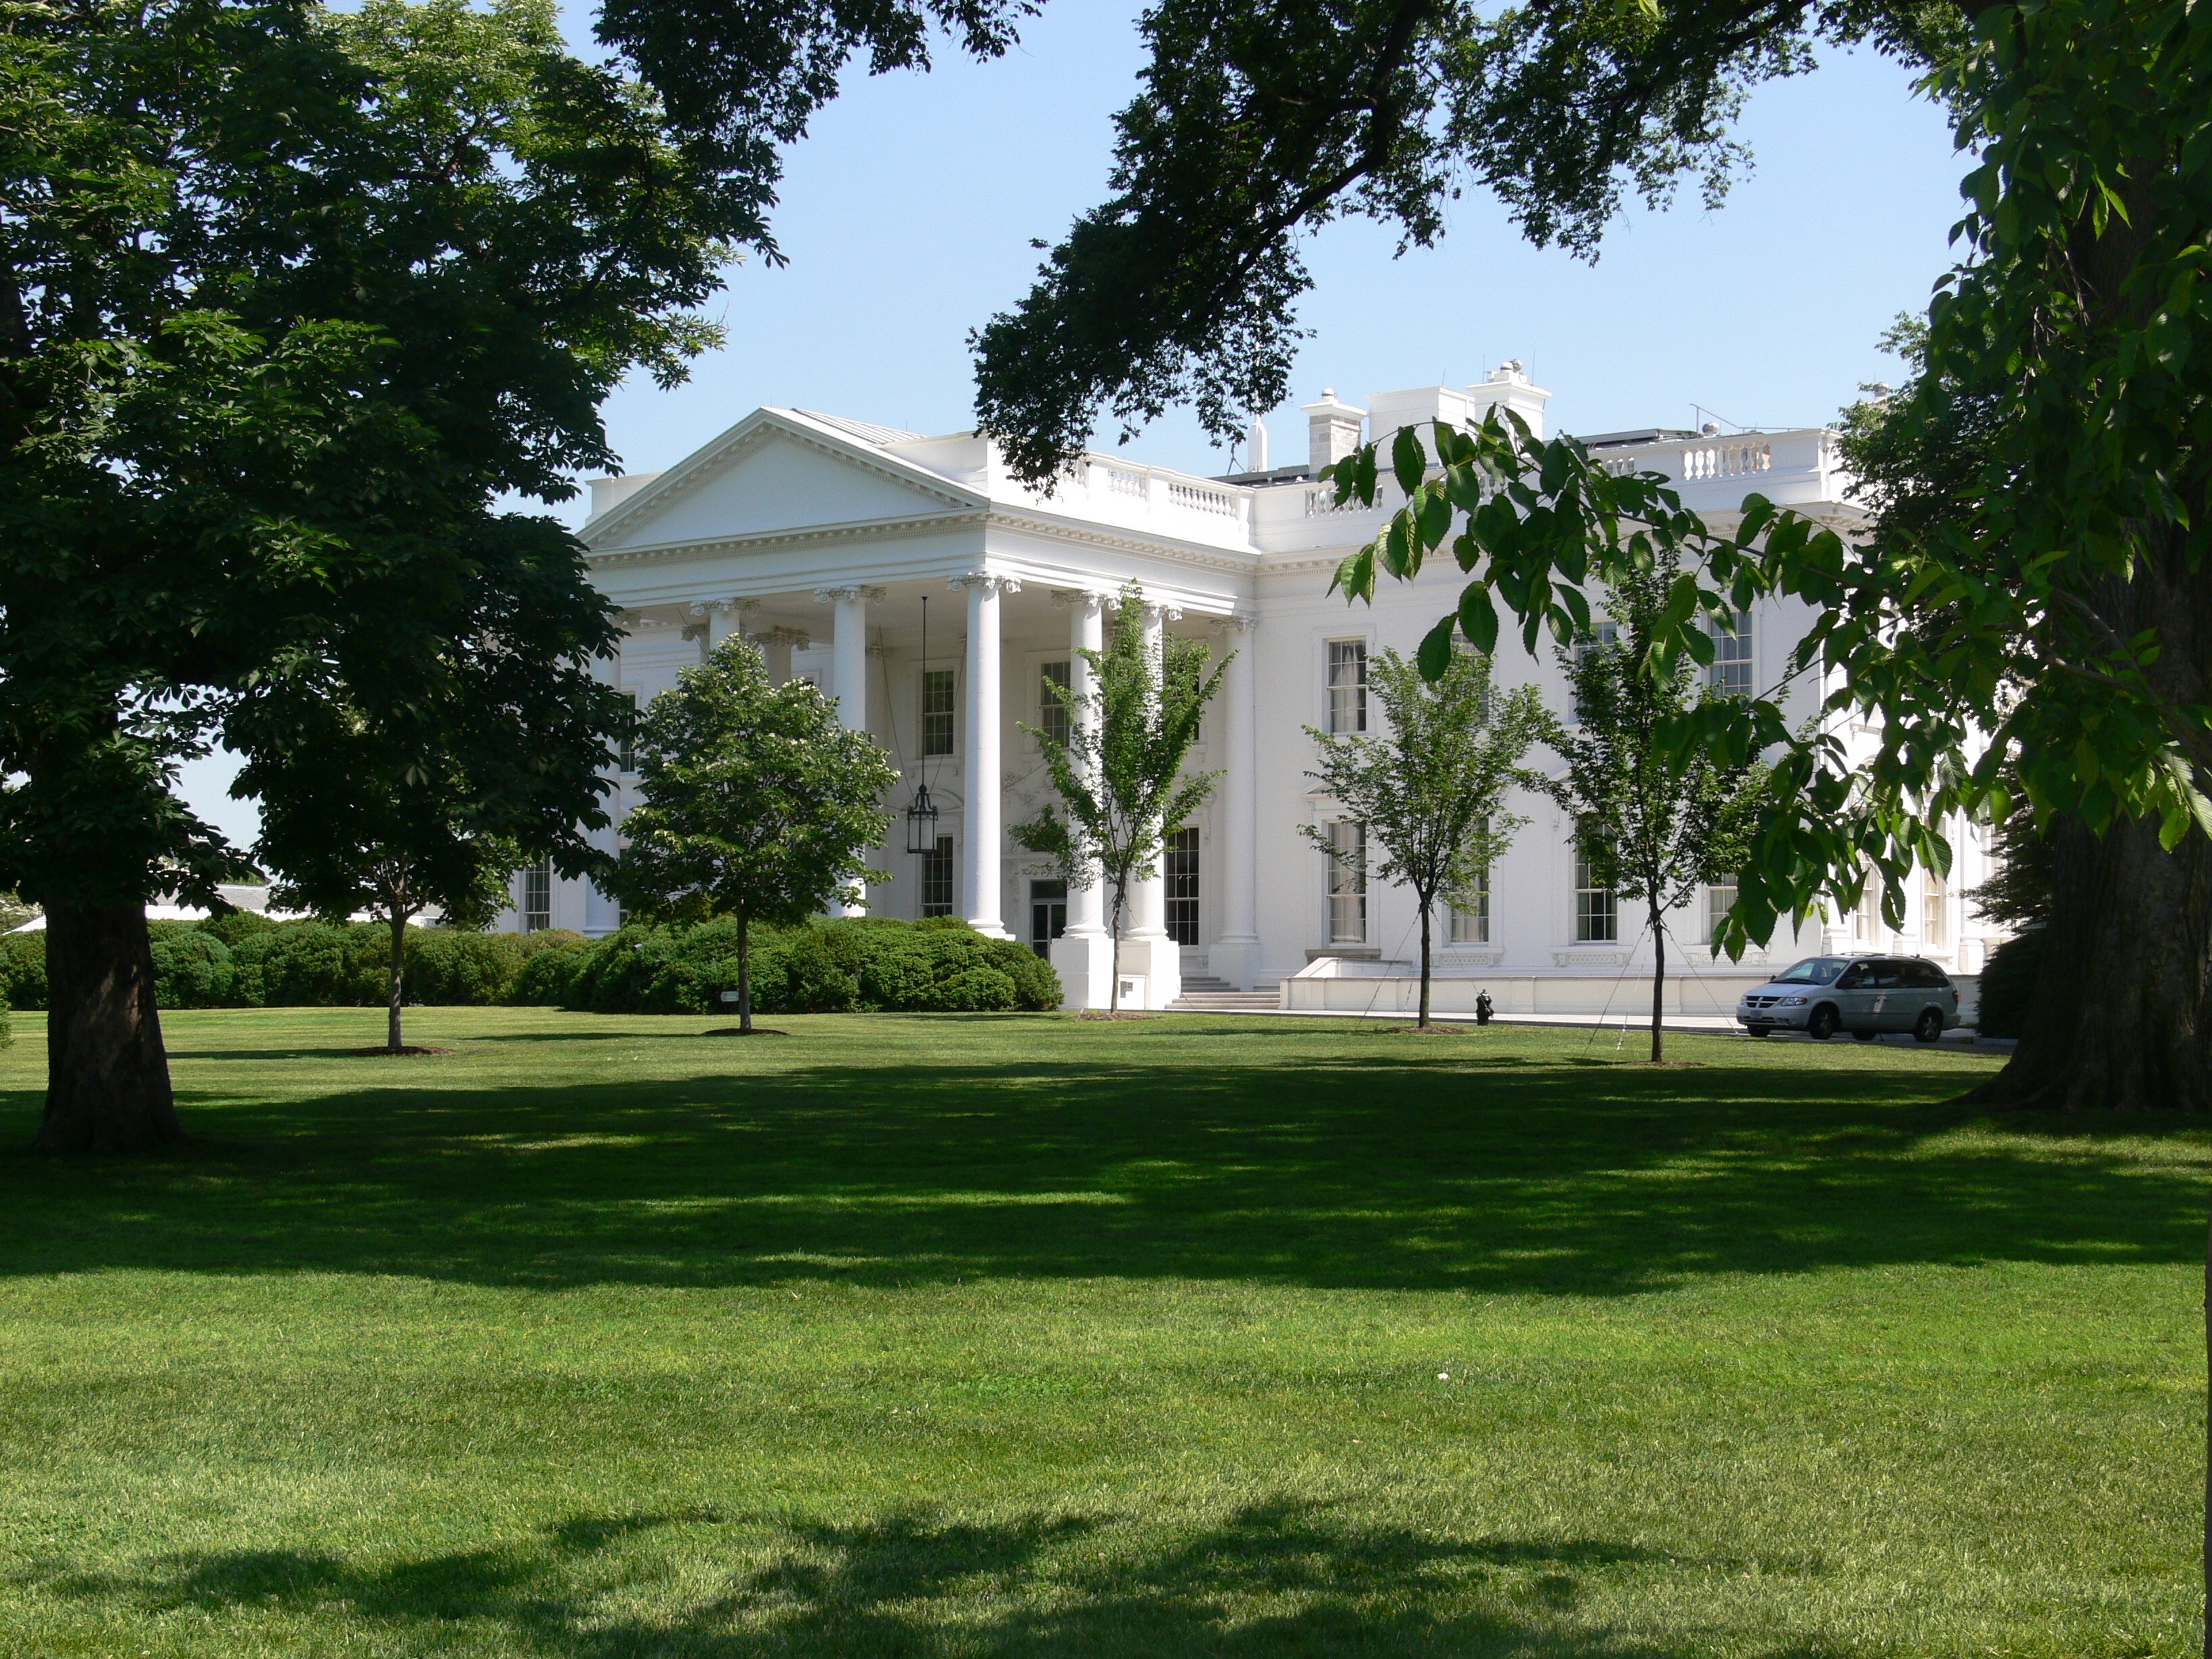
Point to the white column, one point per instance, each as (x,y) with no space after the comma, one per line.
(724,618)
(1084,956)
(777,645)
(849,671)
(849,651)
(1151,951)
(1234,953)
(981,766)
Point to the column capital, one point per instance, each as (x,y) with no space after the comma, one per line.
(797,638)
(1085,598)
(720,607)
(850,590)
(987,580)
(1235,623)
(1166,613)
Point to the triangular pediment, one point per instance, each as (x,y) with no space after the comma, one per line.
(775,471)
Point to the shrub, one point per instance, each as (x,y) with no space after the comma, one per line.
(826,966)
(296,965)
(23,969)
(445,967)
(235,926)
(548,978)
(193,966)
(2008,985)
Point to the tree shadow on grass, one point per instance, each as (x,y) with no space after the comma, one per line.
(1279,1578)
(1389,1167)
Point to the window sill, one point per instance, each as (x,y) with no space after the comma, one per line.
(1348,952)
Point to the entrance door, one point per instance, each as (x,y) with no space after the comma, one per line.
(1047,915)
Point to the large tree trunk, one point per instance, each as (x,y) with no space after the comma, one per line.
(1658,986)
(107,1076)
(2120,1020)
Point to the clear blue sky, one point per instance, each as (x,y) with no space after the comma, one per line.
(907,214)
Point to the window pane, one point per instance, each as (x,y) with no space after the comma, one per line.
(1347,884)
(1602,636)
(1597,917)
(1470,917)
(1934,912)
(537,896)
(1720,899)
(1347,685)
(1180,870)
(936,711)
(1731,670)
(1052,714)
(937,880)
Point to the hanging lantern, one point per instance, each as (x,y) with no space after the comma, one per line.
(921,822)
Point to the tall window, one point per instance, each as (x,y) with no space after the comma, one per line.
(1348,883)
(937,878)
(1347,685)
(627,761)
(1867,923)
(537,896)
(1731,668)
(1602,636)
(1597,913)
(1470,917)
(1934,912)
(1052,714)
(936,712)
(1179,861)
(1720,899)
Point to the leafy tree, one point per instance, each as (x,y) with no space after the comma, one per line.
(1656,821)
(757,805)
(1432,791)
(290,301)
(432,796)
(1119,769)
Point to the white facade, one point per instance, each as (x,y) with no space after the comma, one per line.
(821,537)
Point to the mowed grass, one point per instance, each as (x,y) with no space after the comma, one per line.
(1022,1336)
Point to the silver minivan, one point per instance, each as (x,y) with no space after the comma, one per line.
(1864,995)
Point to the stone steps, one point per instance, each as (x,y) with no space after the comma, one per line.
(1224,1001)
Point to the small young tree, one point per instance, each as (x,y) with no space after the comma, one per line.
(758,804)
(1119,769)
(1653,822)
(1430,792)
(425,788)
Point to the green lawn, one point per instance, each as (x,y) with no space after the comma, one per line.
(1018,1336)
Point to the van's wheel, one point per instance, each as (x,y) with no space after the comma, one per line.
(1863,1037)
(1930,1027)
(1822,1025)
(1758,1031)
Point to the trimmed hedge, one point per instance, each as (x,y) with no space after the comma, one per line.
(861,964)
(247,960)
(2007,987)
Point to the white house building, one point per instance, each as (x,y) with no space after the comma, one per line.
(827,540)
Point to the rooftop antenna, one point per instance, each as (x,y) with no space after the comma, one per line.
(921,811)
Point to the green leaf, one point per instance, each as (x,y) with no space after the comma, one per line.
(1407,462)
(1477,617)
(1436,653)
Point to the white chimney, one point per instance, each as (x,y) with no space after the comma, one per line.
(608,493)
(1509,385)
(1256,447)
(1332,429)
